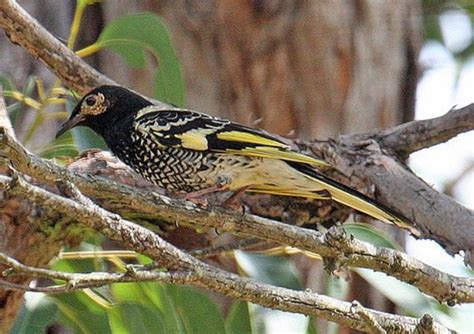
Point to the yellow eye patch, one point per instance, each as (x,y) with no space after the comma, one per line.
(94,104)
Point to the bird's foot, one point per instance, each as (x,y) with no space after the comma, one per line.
(234,201)
(199,201)
(197,197)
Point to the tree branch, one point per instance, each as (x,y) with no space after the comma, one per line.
(203,275)
(435,215)
(22,29)
(331,246)
(395,186)
(20,236)
(371,322)
(413,136)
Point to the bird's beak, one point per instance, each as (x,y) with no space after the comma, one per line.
(70,123)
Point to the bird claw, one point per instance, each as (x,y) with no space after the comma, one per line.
(199,201)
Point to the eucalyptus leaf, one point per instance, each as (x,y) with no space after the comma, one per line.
(278,271)
(81,313)
(151,295)
(238,318)
(275,270)
(371,234)
(130,36)
(59,147)
(198,313)
(135,318)
(6,83)
(407,297)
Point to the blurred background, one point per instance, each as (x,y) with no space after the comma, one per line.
(303,69)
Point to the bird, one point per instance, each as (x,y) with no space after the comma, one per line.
(182,150)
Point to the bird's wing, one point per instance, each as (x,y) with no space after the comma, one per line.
(195,131)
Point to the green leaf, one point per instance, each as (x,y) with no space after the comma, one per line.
(198,313)
(265,320)
(432,29)
(278,271)
(81,313)
(7,83)
(403,295)
(337,288)
(131,35)
(135,318)
(371,234)
(143,259)
(153,295)
(60,147)
(238,319)
(311,327)
(85,139)
(81,265)
(35,316)
(13,108)
(275,270)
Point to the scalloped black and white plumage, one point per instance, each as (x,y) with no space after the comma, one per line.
(183,150)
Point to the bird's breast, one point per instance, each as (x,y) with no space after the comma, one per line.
(171,168)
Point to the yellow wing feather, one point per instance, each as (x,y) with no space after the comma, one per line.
(276,153)
(246,137)
(272,149)
(195,139)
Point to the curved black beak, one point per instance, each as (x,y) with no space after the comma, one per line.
(76,120)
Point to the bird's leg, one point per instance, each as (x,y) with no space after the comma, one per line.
(222,184)
(233,202)
(199,193)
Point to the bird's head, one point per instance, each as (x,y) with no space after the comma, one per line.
(103,107)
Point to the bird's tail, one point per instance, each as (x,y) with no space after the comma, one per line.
(354,199)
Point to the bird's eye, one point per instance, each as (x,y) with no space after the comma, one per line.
(94,104)
(91,100)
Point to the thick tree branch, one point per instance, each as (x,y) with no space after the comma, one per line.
(203,275)
(334,246)
(413,136)
(437,216)
(24,30)
(21,237)
(395,186)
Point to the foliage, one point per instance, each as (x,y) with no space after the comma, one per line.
(121,308)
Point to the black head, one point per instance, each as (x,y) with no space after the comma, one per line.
(104,107)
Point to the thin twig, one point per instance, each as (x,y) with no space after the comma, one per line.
(451,184)
(232,246)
